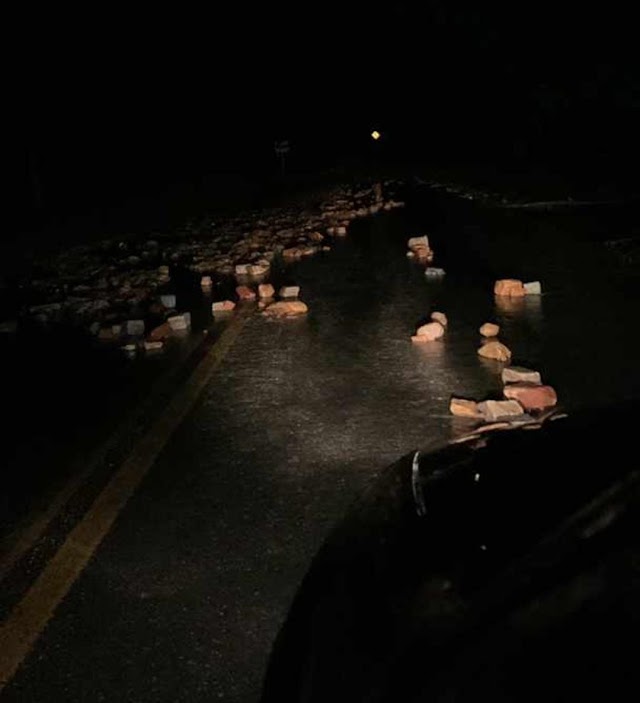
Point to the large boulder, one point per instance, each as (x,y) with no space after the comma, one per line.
(509,288)
(531,396)
(518,374)
(496,351)
(431,331)
(286,308)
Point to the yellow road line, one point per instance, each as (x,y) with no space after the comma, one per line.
(30,616)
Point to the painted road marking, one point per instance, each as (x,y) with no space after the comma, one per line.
(24,625)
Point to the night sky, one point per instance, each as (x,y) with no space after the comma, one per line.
(107,102)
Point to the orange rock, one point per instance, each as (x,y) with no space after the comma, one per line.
(432,331)
(489,329)
(439,317)
(463,408)
(161,332)
(266,290)
(495,350)
(531,396)
(510,288)
(245,293)
(285,308)
(223,306)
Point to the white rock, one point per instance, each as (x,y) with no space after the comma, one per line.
(135,327)
(493,410)
(206,282)
(340,231)
(180,322)
(518,374)
(168,300)
(533,288)
(242,269)
(289,291)
(418,243)
(153,346)
(433,272)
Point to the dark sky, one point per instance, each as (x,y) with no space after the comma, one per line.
(101,88)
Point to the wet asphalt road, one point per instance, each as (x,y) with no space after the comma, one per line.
(185,596)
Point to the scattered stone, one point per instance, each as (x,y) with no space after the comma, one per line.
(439,317)
(129,349)
(161,332)
(105,334)
(259,269)
(266,290)
(206,282)
(410,255)
(292,253)
(463,408)
(489,329)
(223,306)
(433,272)
(417,243)
(340,231)
(117,330)
(531,396)
(153,346)
(289,291)
(518,374)
(179,323)
(316,237)
(533,288)
(495,410)
(245,294)
(169,301)
(432,331)
(163,270)
(286,309)
(495,350)
(134,327)
(326,248)
(242,269)
(509,288)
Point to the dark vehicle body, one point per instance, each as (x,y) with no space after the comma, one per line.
(502,567)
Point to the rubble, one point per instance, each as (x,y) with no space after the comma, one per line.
(531,396)
(489,329)
(464,408)
(509,288)
(533,288)
(439,317)
(223,306)
(283,308)
(289,292)
(495,350)
(431,331)
(245,294)
(518,374)
(495,410)
(266,290)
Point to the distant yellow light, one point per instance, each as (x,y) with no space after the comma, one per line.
(375,135)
